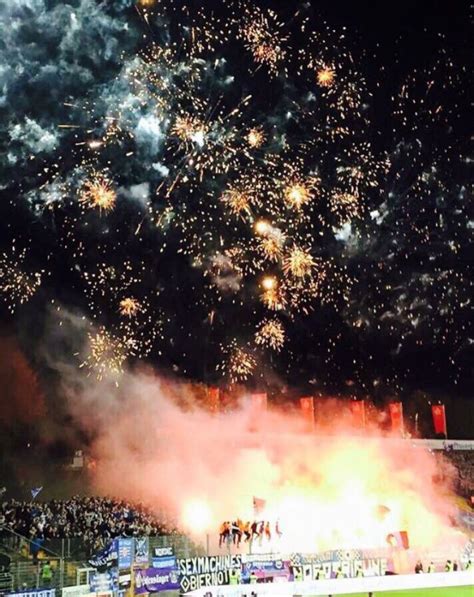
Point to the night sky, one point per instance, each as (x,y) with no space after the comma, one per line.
(239,192)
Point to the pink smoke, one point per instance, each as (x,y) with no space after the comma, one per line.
(325,489)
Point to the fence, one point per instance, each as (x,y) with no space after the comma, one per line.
(68,559)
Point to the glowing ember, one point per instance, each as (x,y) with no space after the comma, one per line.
(269,283)
(262,227)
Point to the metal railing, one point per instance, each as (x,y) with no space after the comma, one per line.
(27,558)
(67,559)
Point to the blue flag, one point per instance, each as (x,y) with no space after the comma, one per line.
(106,557)
(35,491)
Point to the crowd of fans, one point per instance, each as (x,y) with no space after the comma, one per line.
(94,520)
(464,463)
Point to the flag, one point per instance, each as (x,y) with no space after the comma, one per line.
(381,512)
(259,403)
(396,415)
(307,410)
(439,419)
(258,506)
(107,557)
(398,540)
(214,398)
(36,491)
(358,413)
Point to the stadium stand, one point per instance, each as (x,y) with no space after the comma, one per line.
(464,463)
(94,520)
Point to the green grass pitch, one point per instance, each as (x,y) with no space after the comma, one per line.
(441,592)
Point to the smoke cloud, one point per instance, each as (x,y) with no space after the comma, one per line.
(327,490)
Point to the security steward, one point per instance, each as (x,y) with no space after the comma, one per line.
(234,577)
(297,574)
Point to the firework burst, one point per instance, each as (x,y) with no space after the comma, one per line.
(97,193)
(262,35)
(298,263)
(255,138)
(325,76)
(107,354)
(129,307)
(346,206)
(239,363)
(271,334)
(17,285)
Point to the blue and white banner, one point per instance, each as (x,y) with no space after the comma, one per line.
(163,557)
(266,570)
(104,582)
(125,553)
(33,593)
(142,550)
(106,557)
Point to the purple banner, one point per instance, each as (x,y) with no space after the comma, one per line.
(153,580)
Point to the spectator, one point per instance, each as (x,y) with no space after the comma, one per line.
(46,574)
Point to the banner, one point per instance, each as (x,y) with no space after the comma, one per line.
(214,397)
(125,553)
(106,557)
(76,591)
(398,540)
(154,580)
(104,582)
(265,570)
(396,416)
(327,565)
(163,557)
(439,419)
(258,506)
(142,551)
(207,571)
(358,413)
(307,410)
(33,593)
